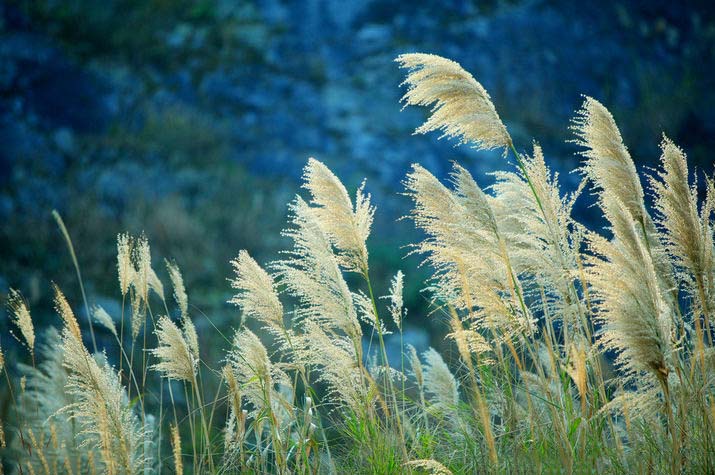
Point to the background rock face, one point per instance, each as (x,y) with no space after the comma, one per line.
(192,120)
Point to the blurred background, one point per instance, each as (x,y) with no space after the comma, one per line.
(191,120)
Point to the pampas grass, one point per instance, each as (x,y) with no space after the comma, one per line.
(177,282)
(177,355)
(100,403)
(567,349)
(462,107)
(346,226)
(176,449)
(21,318)
(608,164)
(430,466)
(257,296)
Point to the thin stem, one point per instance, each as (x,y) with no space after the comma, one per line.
(68,240)
(203,423)
(190,416)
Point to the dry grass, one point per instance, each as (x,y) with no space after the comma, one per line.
(531,299)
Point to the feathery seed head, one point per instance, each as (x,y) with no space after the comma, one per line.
(396,302)
(138,313)
(176,448)
(336,357)
(103,318)
(610,167)
(461,107)
(101,406)
(637,318)
(177,282)
(177,359)
(415,365)
(473,198)
(608,164)
(474,342)
(311,273)
(520,213)
(235,432)
(346,228)
(452,219)
(257,296)
(542,236)
(676,204)
(234,391)
(155,283)
(191,337)
(125,266)
(467,250)
(252,369)
(145,279)
(366,311)
(141,258)
(65,311)
(439,381)
(429,465)
(21,317)
(578,369)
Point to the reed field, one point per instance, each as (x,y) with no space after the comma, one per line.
(570,350)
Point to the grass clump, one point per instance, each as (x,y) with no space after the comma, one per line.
(531,299)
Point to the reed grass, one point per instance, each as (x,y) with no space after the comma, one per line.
(575,350)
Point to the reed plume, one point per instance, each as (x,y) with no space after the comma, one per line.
(439,382)
(102,317)
(396,302)
(366,312)
(141,258)
(234,391)
(62,307)
(577,369)
(21,318)
(235,425)
(542,237)
(677,206)
(688,235)
(135,270)
(101,405)
(610,167)
(125,266)
(608,164)
(257,296)
(335,357)
(431,466)
(346,227)
(41,408)
(311,273)
(177,351)
(176,449)
(266,387)
(461,107)
(636,317)
(466,249)
(252,368)
(177,282)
